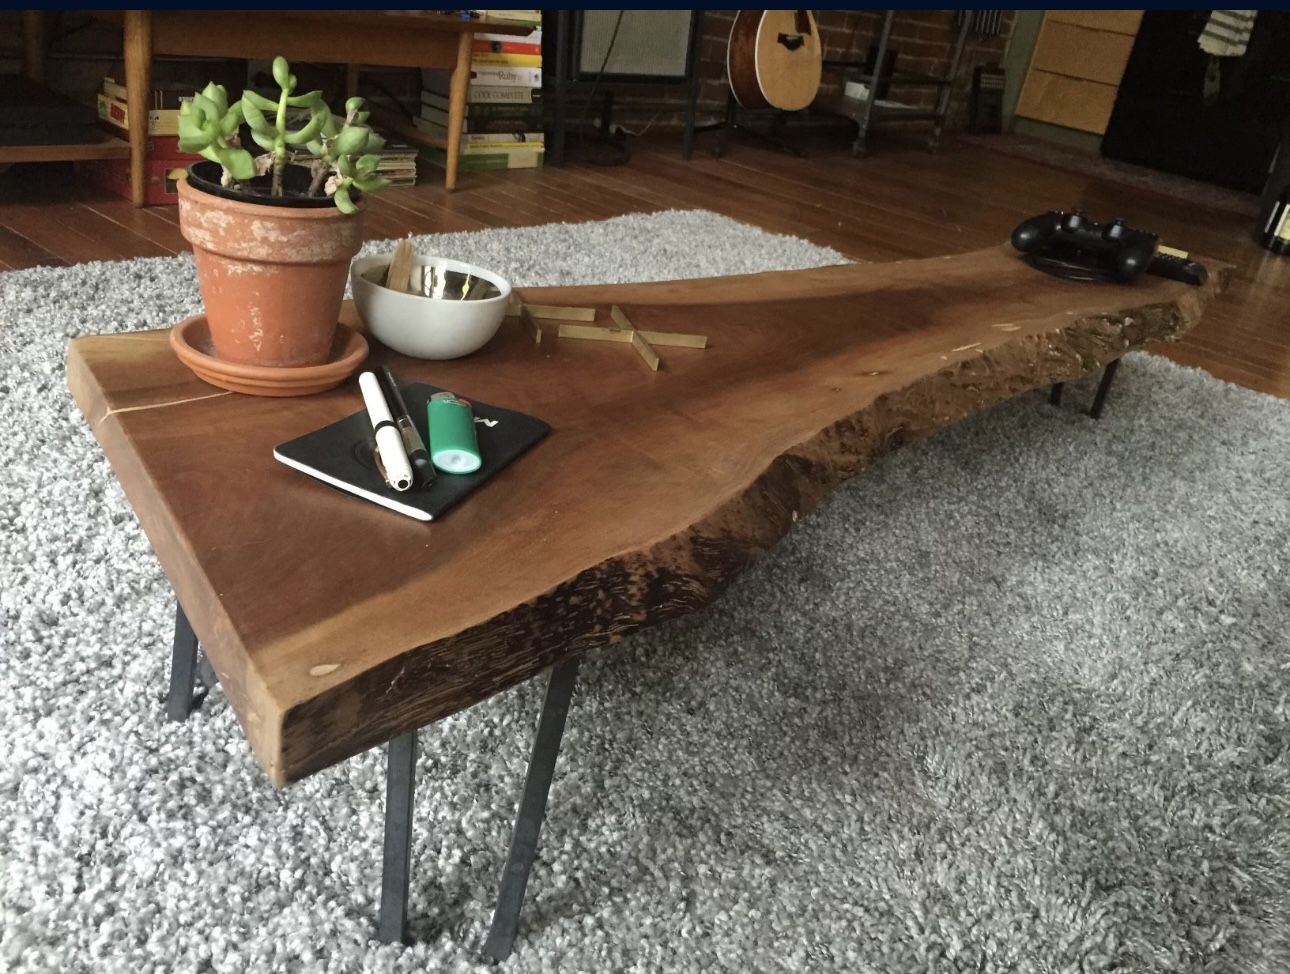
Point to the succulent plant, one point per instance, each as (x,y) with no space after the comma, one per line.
(345,153)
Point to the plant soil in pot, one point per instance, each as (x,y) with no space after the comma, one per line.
(272,240)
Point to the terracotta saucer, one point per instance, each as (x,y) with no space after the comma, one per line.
(191,341)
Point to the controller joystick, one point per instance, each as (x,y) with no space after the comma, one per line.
(1123,251)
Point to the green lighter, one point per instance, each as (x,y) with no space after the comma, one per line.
(453,446)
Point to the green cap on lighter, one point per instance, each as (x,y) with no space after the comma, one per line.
(453,446)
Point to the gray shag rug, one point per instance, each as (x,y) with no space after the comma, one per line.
(1014,700)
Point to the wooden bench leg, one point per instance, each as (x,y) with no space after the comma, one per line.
(528,822)
(138,83)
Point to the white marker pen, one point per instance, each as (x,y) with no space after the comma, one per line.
(389,442)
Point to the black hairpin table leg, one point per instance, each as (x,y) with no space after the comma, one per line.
(1099,400)
(528,822)
(182,697)
(1104,387)
(396,866)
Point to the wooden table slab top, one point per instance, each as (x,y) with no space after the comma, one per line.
(335,625)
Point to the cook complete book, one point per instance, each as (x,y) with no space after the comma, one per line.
(343,455)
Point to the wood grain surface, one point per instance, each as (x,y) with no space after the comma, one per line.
(335,625)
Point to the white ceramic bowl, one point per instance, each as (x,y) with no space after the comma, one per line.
(424,327)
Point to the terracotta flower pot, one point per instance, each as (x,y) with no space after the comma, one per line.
(272,277)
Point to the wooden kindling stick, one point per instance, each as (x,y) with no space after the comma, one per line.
(639,341)
(622,330)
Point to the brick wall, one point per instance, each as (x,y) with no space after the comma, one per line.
(924,40)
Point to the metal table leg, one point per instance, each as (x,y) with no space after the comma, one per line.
(1099,400)
(943,103)
(183,697)
(532,809)
(396,864)
(1104,387)
(860,145)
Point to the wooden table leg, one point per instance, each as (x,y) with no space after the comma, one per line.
(33,42)
(457,108)
(138,84)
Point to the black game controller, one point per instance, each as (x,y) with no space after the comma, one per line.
(1073,237)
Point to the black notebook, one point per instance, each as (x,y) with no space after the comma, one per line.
(343,455)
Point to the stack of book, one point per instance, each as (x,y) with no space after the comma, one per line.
(398,163)
(503,127)
(165,160)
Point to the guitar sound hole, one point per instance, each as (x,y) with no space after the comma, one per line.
(792,41)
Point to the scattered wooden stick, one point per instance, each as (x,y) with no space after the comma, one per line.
(620,318)
(664,339)
(530,324)
(594,332)
(645,349)
(558,313)
(622,330)
(674,339)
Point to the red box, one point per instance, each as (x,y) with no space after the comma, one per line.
(114,176)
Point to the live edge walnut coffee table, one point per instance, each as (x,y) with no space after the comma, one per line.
(335,626)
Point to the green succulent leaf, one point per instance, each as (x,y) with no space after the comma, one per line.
(352,139)
(361,117)
(266,141)
(208,151)
(238,162)
(310,130)
(216,95)
(192,114)
(375,143)
(205,108)
(232,120)
(282,72)
(310,99)
(259,101)
(192,131)
(342,199)
(366,165)
(371,184)
(353,105)
(254,112)
(315,148)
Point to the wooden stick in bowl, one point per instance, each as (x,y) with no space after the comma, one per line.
(400,272)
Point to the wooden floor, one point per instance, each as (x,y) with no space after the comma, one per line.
(901,202)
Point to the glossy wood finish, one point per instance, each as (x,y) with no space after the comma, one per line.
(901,202)
(336,625)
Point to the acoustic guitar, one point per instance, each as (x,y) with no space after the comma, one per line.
(774,59)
